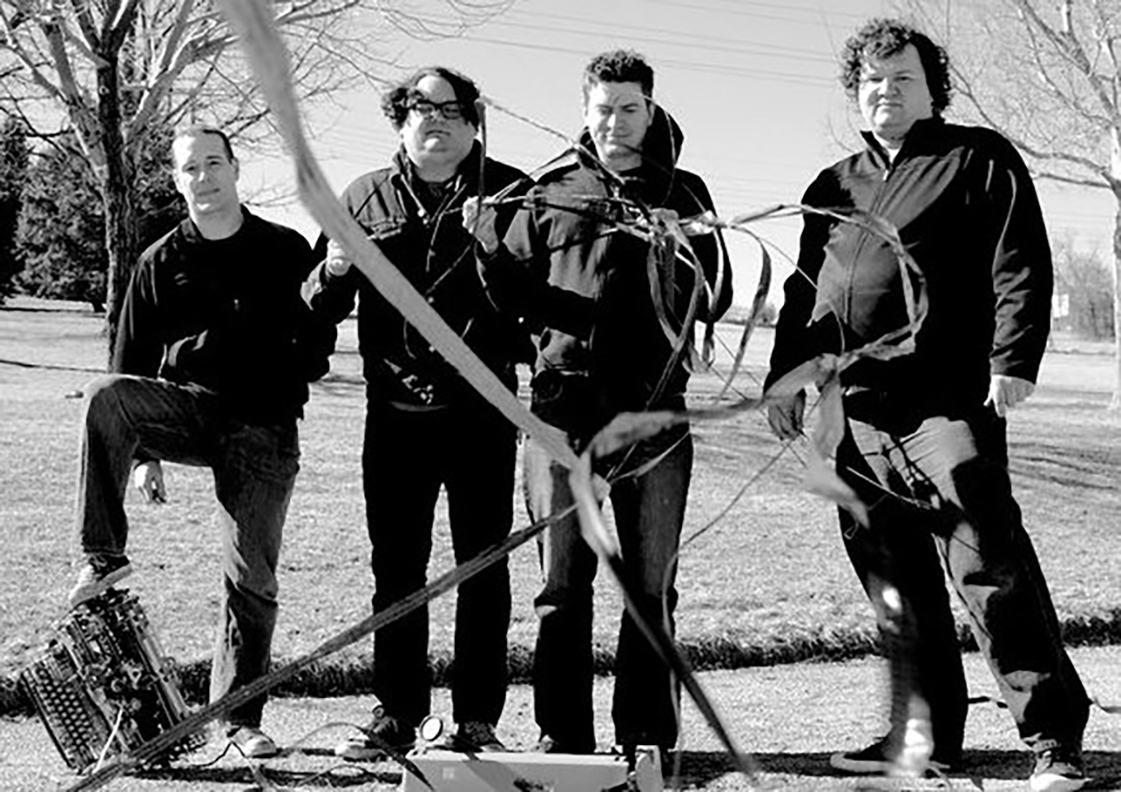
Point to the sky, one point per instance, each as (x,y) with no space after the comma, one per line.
(752,83)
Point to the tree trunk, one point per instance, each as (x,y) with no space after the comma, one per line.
(1115,402)
(120,212)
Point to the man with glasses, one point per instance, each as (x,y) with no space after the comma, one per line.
(425,426)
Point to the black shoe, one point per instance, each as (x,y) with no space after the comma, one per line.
(474,737)
(1058,769)
(876,760)
(382,737)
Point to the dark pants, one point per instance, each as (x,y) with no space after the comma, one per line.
(254,473)
(470,449)
(939,495)
(649,511)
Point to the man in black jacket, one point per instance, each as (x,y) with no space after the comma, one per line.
(589,265)
(925,447)
(426,427)
(214,352)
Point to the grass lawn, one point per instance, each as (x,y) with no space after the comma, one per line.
(763,574)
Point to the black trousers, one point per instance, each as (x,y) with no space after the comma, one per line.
(939,496)
(469,449)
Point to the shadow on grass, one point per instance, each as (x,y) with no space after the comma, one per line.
(338,777)
(354,676)
(700,768)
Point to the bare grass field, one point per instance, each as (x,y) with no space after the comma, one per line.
(763,575)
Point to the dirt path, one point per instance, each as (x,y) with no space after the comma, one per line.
(790,718)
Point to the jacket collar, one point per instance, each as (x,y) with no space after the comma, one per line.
(923,130)
(661,148)
(191,232)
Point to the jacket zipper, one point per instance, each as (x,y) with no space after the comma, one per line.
(864,233)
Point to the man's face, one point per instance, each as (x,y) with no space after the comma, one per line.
(205,175)
(893,94)
(430,137)
(617,115)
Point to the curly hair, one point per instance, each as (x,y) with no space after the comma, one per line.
(884,38)
(619,66)
(395,102)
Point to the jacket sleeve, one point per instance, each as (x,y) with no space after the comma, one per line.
(317,331)
(330,297)
(793,340)
(717,267)
(516,280)
(139,346)
(1022,273)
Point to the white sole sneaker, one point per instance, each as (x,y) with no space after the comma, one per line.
(89,585)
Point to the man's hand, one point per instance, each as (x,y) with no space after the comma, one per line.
(785,414)
(1006,392)
(479,220)
(338,263)
(147,477)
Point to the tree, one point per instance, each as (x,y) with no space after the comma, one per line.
(1084,290)
(115,72)
(1046,75)
(13,169)
(61,233)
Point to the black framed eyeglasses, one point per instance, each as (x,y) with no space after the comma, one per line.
(451,111)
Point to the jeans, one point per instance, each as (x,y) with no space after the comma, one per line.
(939,495)
(254,471)
(470,449)
(649,513)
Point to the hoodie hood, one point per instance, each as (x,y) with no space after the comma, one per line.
(661,146)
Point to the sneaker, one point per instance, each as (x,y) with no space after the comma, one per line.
(876,760)
(98,575)
(1058,769)
(253,743)
(474,737)
(384,736)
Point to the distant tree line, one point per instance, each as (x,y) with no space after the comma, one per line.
(1084,293)
(52,222)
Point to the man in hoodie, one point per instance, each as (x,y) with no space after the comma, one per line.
(925,447)
(426,427)
(214,353)
(575,266)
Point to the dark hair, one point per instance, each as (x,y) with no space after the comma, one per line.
(198,130)
(396,101)
(884,38)
(618,66)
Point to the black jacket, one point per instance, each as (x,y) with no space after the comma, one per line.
(423,236)
(967,212)
(226,315)
(583,284)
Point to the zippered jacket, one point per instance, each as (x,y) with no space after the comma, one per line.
(422,235)
(226,315)
(967,212)
(572,269)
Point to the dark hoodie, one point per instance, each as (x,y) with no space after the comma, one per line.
(423,235)
(582,284)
